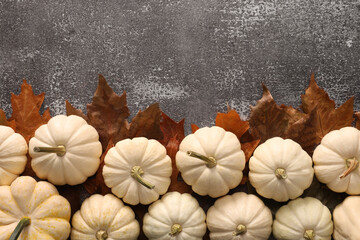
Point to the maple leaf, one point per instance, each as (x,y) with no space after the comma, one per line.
(26,115)
(5,122)
(96,184)
(232,122)
(328,117)
(26,107)
(70,110)
(173,135)
(194,128)
(357,115)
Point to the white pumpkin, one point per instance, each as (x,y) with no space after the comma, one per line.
(137,170)
(37,206)
(239,216)
(104,218)
(336,160)
(346,219)
(13,149)
(303,218)
(66,150)
(175,216)
(211,161)
(280,169)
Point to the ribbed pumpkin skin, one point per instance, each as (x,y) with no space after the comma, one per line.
(83,150)
(151,156)
(330,160)
(280,153)
(225,148)
(106,213)
(13,149)
(40,201)
(346,219)
(175,208)
(230,211)
(302,214)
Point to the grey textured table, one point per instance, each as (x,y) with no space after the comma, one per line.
(192,56)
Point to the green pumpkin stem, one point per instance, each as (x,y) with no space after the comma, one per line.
(175,229)
(136,173)
(59,150)
(25,221)
(240,229)
(309,234)
(210,161)
(101,235)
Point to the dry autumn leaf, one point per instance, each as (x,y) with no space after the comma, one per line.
(5,122)
(357,115)
(328,117)
(173,135)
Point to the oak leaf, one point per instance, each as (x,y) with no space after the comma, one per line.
(328,117)
(173,135)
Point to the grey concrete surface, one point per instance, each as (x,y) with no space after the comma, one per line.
(192,56)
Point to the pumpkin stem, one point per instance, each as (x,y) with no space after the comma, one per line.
(59,150)
(25,221)
(351,164)
(210,161)
(136,173)
(240,229)
(309,234)
(175,229)
(101,235)
(280,173)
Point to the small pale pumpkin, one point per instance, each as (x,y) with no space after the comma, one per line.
(211,161)
(104,218)
(303,218)
(346,219)
(36,208)
(239,216)
(175,216)
(13,149)
(280,169)
(336,160)
(137,170)
(66,150)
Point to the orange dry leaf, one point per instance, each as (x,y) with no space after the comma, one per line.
(173,135)
(328,117)
(5,122)
(357,115)
(231,121)
(26,107)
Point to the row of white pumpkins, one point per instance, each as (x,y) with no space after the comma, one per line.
(36,211)
(67,151)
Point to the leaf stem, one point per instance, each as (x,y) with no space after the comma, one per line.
(59,150)
(351,164)
(210,161)
(136,173)
(240,229)
(25,221)
(175,229)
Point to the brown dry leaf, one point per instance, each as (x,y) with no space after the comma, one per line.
(96,184)
(70,110)
(328,117)
(107,112)
(173,135)
(357,115)
(26,107)
(146,123)
(232,122)
(267,119)
(5,122)
(194,128)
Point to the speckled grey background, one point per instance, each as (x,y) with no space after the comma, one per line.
(193,56)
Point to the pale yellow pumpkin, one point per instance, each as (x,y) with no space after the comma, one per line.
(346,219)
(104,218)
(13,149)
(39,204)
